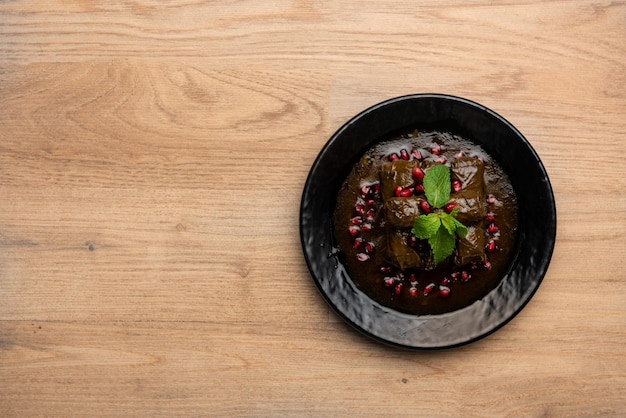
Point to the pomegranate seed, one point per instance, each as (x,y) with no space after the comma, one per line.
(445,281)
(444,291)
(456,186)
(441,160)
(397,191)
(385,269)
(362,257)
(413,278)
(491,246)
(418,174)
(365,190)
(417,155)
(354,230)
(419,189)
(367,227)
(370,202)
(400,275)
(360,208)
(389,281)
(425,207)
(428,289)
(406,192)
(491,217)
(487,264)
(357,220)
(370,213)
(369,247)
(398,289)
(436,149)
(465,276)
(404,154)
(491,199)
(412,240)
(455,275)
(492,228)
(413,292)
(450,207)
(376,187)
(357,242)
(394,157)
(459,155)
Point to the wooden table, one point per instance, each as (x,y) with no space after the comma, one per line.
(152,160)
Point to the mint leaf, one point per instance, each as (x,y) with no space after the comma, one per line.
(425,226)
(453,225)
(442,244)
(437,185)
(448,222)
(461,230)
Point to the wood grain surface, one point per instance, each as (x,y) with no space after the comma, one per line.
(152,159)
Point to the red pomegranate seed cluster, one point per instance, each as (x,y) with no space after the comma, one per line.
(363,220)
(417,173)
(397,280)
(406,156)
(492,229)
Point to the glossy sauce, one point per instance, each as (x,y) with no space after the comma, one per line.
(363,232)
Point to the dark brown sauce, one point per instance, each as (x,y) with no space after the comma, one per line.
(366,234)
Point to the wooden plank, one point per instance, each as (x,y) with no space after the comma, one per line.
(199,368)
(152,158)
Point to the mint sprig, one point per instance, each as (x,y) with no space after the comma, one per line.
(439,227)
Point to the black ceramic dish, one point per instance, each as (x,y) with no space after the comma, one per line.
(536,220)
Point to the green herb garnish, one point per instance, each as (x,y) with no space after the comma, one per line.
(439,227)
(437,185)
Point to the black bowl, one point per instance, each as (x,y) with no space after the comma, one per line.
(536,221)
